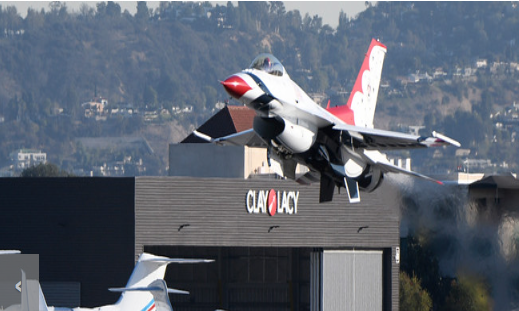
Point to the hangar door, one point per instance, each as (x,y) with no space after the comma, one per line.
(346,280)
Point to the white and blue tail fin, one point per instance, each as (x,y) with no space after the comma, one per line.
(159,290)
(148,269)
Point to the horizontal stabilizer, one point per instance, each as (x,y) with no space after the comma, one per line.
(244,138)
(150,267)
(387,167)
(376,139)
(395,169)
(446,139)
(148,289)
(9,252)
(176,260)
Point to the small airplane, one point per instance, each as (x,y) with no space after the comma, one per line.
(146,289)
(339,145)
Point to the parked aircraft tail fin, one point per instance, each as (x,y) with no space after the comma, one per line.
(360,110)
(148,269)
(42,302)
(25,294)
(29,290)
(159,291)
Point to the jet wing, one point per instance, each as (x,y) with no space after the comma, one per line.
(387,167)
(247,138)
(376,139)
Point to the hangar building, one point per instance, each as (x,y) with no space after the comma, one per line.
(306,256)
(328,237)
(275,247)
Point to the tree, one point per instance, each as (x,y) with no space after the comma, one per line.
(484,108)
(211,95)
(150,97)
(320,81)
(44,170)
(143,12)
(468,294)
(412,297)
(113,9)
(343,22)
(101,9)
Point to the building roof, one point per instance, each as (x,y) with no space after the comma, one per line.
(229,120)
(496,181)
(242,117)
(115,143)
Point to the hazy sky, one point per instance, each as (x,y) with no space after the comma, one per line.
(328,10)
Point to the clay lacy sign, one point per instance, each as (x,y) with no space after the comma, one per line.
(272,202)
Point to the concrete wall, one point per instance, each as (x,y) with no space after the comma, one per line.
(206,160)
(210,160)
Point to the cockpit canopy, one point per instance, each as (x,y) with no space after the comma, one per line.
(268,63)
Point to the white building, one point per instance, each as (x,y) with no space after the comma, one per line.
(24,158)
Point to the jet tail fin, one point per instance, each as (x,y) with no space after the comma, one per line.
(148,269)
(43,302)
(25,294)
(30,289)
(360,110)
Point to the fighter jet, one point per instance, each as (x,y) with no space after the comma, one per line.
(339,145)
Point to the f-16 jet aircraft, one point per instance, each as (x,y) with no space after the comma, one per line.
(339,145)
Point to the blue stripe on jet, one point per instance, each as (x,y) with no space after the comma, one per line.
(260,83)
(148,305)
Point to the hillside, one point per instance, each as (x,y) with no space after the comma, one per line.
(160,69)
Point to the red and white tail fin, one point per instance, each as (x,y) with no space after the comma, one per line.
(360,110)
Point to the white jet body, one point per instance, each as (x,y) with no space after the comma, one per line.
(339,145)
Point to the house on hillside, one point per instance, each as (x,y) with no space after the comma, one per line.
(95,107)
(481,63)
(24,158)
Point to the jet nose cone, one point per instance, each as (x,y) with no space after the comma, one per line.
(236,86)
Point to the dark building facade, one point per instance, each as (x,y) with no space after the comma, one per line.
(290,260)
(275,247)
(82,229)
